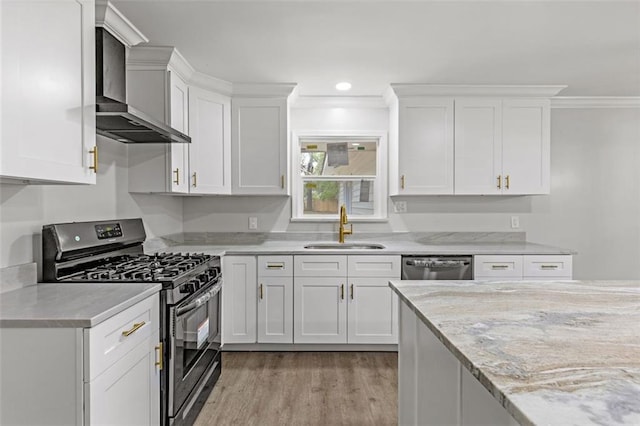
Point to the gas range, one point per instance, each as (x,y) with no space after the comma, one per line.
(190,300)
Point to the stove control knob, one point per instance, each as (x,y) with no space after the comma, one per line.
(188,288)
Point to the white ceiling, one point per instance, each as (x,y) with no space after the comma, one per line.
(591,46)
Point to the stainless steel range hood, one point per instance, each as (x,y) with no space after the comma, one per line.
(114,118)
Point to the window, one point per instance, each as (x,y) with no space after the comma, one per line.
(332,170)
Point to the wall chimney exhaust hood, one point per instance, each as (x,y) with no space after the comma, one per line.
(114,118)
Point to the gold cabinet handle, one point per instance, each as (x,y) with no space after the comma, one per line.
(195,180)
(159,362)
(352,291)
(282,181)
(94,152)
(275,265)
(506,181)
(136,326)
(177,172)
(499,266)
(261,292)
(499,181)
(342,291)
(402,181)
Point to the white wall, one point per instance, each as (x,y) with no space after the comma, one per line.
(24,209)
(594,206)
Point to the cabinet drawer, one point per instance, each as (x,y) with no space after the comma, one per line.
(106,343)
(320,266)
(497,267)
(374,266)
(275,266)
(555,266)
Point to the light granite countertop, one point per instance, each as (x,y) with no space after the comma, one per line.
(552,353)
(391,247)
(69,305)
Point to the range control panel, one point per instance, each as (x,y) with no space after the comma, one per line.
(108,230)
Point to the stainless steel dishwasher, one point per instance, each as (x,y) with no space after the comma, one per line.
(437,268)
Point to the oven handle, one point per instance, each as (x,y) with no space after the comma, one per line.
(200,300)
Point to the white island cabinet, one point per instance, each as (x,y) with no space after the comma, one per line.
(108,374)
(48,131)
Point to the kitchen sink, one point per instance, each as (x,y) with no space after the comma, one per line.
(345,246)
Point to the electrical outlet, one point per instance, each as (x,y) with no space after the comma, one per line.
(399,206)
(515,222)
(253,222)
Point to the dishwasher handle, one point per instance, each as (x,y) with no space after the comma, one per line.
(437,263)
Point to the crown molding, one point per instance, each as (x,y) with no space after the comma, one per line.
(339,102)
(217,85)
(595,102)
(112,20)
(528,91)
(263,90)
(159,58)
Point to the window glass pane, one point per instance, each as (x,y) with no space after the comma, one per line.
(338,158)
(325,197)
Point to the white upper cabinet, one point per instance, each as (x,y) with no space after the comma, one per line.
(210,149)
(260,139)
(425,148)
(48,91)
(466,140)
(478,146)
(526,146)
(502,146)
(159,84)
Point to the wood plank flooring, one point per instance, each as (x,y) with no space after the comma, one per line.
(304,388)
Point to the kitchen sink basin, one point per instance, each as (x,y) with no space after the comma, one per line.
(345,246)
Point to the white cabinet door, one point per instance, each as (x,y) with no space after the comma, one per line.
(478,146)
(179,120)
(320,310)
(210,149)
(48,91)
(239,306)
(128,392)
(259,146)
(526,146)
(275,310)
(372,311)
(425,145)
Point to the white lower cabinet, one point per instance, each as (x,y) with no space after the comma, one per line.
(320,310)
(372,311)
(239,307)
(523,267)
(105,375)
(345,299)
(275,299)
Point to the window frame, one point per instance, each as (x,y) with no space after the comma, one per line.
(380,186)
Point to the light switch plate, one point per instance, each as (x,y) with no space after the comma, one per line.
(515,222)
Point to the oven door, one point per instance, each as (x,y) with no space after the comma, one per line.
(195,342)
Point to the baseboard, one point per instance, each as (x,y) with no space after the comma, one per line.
(276,347)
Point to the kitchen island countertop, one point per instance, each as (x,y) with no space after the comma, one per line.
(553,352)
(76,305)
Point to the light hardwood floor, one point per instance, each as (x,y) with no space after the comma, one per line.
(304,388)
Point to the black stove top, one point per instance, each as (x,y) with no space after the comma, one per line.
(161,267)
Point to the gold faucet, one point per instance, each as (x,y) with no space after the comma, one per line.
(343,222)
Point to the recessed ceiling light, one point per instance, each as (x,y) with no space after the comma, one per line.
(355,144)
(345,85)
